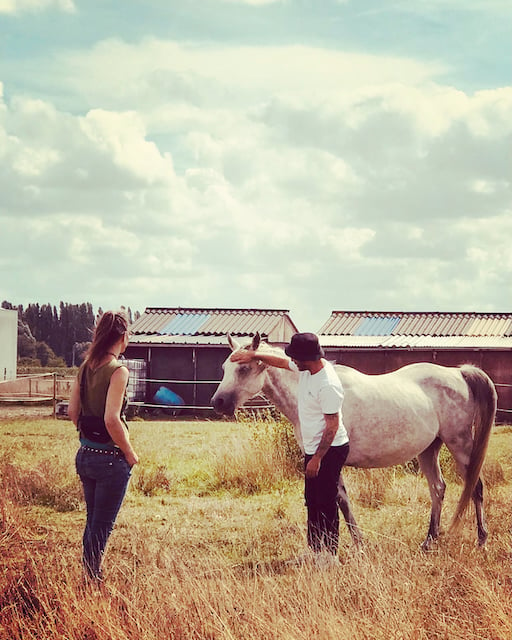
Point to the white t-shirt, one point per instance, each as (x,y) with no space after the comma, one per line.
(319,394)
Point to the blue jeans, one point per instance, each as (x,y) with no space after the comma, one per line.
(105,479)
(320,494)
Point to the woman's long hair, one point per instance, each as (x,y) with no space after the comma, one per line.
(110,327)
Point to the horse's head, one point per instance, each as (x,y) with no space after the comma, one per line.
(240,382)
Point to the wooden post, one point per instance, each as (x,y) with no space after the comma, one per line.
(54,395)
(194,361)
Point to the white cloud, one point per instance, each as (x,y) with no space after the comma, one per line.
(291,177)
(346,242)
(25,6)
(253,3)
(156,71)
(428,7)
(122,136)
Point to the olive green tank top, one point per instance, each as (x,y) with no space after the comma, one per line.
(97,383)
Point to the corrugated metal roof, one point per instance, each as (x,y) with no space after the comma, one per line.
(379,326)
(156,339)
(437,324)
(494,326)
(433,324)
(341,323)
(417,342)
(185,324)
(151,322)
(208,322)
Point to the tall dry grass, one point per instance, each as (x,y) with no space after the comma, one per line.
(205,542)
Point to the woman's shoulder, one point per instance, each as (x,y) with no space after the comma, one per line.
(119,368)
(109,369)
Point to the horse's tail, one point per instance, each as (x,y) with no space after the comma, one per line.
(485,398)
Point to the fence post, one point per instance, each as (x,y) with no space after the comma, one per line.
(54,395)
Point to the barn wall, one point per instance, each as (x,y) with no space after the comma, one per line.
(136,352)
(171,363)
(497,364)
(499,367)
(183,363)
(209,367)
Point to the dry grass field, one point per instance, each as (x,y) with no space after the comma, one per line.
(205,543)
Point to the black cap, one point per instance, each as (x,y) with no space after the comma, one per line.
(304,346)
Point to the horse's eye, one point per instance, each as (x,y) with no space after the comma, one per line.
(244,369)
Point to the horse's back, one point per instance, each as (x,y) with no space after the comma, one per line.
(425,375)
(392,417)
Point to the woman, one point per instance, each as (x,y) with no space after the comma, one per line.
(106,457)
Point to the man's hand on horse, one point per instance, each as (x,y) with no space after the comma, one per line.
(243,356)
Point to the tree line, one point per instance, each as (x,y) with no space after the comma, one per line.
(56,337)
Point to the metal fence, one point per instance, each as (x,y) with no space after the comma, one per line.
(505,386)
(50,388)
(33,388)
(258,402)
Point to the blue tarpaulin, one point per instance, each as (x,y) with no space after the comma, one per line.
(165,396)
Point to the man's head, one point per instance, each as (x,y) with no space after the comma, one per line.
(304,347)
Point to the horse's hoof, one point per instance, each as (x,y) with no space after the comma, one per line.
(429,544)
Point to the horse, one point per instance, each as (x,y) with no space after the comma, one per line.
(390,418)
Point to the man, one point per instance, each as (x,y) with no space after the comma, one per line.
(320,397)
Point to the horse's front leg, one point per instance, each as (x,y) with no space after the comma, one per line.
(344,506)
(429,464)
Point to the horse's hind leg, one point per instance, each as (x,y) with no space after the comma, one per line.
(461,460)
(344,506)
(478,499)
(429,464)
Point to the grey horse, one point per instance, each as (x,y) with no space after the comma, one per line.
(391,419)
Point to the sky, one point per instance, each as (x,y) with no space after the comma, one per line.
(308,155)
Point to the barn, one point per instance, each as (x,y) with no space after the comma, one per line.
(8,343)
(382,341)
(175,355)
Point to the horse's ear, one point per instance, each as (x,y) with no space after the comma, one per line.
(256,341)
(233,343)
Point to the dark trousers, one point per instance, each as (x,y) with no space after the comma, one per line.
(320,494)
(105,479)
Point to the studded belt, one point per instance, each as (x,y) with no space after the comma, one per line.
(107,452)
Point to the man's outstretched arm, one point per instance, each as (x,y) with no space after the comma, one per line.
(247,355)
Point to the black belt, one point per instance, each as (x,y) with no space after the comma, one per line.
(108,452)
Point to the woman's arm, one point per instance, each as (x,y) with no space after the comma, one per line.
(117,430)
(74,402)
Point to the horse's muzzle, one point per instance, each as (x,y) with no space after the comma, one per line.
(224,404)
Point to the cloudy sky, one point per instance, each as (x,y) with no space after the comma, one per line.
(310,155)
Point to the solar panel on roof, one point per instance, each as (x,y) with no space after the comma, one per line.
(376,326)
(185,324)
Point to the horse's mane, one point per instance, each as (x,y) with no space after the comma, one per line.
(264,346)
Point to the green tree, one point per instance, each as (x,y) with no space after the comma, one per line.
(63,330)
(44,353)
(26,341)
(80,350)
